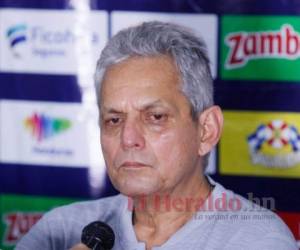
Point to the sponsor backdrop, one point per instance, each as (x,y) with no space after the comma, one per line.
(49,140)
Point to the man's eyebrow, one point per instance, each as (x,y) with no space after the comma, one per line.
(151,105)
(110,110)
(146,106)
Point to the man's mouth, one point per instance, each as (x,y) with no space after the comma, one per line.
(133,164)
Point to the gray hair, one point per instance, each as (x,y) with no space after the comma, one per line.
(188,52)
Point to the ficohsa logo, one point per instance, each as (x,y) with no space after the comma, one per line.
(45,42)
(16,35)
(245,46)
(275,144)
(18,224)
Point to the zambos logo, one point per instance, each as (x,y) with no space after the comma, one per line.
(260,48)
(16,35)
(275,145)
(43,127)
(18,224)
(245,46)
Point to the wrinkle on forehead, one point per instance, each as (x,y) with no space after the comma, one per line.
(145,79)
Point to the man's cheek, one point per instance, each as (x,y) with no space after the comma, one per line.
(108,150)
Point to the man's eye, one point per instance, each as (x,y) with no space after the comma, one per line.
(113,121)
(157,118)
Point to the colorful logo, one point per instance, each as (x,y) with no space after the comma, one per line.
(16,35)
(260,47)
(275,145)
(43,127)
(18,224)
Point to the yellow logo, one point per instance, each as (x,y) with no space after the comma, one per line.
(259,143)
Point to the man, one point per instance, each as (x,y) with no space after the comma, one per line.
(158,125)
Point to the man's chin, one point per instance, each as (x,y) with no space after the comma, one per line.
(136,191)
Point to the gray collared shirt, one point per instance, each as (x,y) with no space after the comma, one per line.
(225,221)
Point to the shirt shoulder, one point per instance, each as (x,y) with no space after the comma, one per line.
(101,209)
(248,225)
(61,227)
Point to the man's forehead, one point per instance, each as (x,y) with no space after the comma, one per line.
(141,83)
(144,64)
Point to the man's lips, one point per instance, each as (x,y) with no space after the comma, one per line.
(133,164)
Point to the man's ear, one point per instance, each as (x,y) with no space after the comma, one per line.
(210,124)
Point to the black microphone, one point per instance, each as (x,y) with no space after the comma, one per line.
(98,236)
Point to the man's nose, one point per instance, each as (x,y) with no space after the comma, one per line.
(132,135)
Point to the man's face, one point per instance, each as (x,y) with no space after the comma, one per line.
(148,138)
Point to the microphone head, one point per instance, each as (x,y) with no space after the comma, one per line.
(98,236)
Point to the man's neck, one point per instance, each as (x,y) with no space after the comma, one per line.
(157,217)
